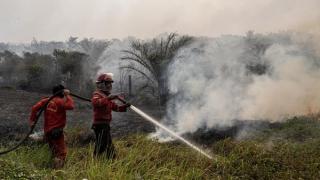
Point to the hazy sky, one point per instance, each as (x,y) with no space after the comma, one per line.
(22,20)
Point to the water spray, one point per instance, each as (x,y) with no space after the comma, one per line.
(145,116)
(150,119)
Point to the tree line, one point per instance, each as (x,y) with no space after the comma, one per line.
(38,72)
(75,63)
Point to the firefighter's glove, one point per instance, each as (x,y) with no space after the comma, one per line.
(128,105)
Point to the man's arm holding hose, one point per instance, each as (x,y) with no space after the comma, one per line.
(120,108)
(98,101)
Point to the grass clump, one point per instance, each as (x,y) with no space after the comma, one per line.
(10,169)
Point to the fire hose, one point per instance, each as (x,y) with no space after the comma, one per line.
(38,116)
(136,110)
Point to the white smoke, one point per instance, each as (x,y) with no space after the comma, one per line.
(291,89)
(110,60)
(212,86)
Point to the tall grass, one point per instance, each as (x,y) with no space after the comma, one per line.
(141,158)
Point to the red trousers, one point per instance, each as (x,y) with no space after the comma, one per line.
(58,147)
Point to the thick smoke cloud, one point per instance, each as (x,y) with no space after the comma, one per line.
(292,88)
(212,85)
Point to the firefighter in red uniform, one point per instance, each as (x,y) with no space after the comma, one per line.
(102,107)
(54,122)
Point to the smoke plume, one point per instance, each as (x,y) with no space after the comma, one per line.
(261,77)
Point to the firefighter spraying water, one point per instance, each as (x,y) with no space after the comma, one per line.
(103,98)
(103,105)
(153,121)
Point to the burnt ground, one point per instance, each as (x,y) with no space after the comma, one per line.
(15,108)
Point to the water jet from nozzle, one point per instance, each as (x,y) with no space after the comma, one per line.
(147,117)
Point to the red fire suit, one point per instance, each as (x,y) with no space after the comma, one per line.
(102,107)
(54,118)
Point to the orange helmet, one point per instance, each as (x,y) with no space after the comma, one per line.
(105,77)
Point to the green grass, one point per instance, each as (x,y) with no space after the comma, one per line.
(275,153)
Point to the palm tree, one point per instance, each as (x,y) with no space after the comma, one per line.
(152,58)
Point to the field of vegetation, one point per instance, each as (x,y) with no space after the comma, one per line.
(290,150)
